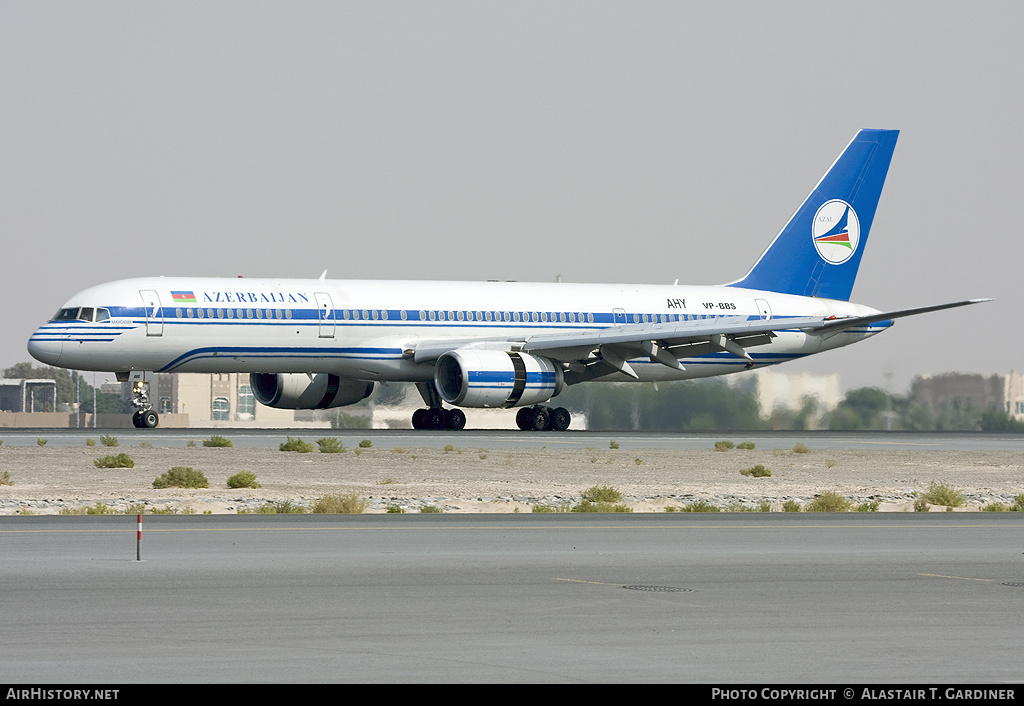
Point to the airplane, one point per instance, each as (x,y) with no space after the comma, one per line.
(320,344)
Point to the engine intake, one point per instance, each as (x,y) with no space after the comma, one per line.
(300,391)
(482,378)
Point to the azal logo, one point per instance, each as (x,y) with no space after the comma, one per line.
(836,231)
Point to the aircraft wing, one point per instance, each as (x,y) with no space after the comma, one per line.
(594,353)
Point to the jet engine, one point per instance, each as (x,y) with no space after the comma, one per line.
(301,391)
(487,378)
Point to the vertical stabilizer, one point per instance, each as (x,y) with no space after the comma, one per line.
(818,252)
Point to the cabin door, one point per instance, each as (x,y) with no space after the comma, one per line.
(325,308)
(154,312)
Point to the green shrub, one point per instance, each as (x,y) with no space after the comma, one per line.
(723,445)
(602,493)
(430,510)
(190,444)
(943,494)
(243,479)
(996,507)
(920,505)
(297,445)
(757,471)
(341,504)
(217,442)
(121,460)
(600,506)
(90,442)
(108,440)
(737,506)
(868,506)
(1018,503)
(700,506)
(792,506)
(448,448)
(539,508)
(746,445)
(801,449)
(41,442)
(395,510)
(181,477)
(829,501)
(613,444)
(365,444)
(283,507)
(99,509)
(331,445)
(5,478)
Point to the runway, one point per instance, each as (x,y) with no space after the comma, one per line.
(391,438)
(728,598)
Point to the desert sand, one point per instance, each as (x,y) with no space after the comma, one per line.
(474,480)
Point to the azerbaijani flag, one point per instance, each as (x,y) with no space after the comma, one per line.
(186,297)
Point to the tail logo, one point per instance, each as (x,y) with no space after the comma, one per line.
(836,232)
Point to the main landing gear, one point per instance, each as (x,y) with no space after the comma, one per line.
(439,418)
(541,418)
(435,416)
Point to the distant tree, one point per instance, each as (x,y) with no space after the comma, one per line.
(863,408)
(696,405)
(998,420)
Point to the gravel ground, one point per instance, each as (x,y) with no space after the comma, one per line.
(472,480)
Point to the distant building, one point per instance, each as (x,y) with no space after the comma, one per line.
(28,395)
(971,391)
(789,392)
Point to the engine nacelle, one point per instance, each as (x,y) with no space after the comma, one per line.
(483,378)
(299,391)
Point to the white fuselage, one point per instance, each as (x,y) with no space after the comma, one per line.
(368,330)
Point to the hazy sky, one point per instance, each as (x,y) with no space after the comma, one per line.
(603,142)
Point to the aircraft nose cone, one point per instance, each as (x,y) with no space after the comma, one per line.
(45,350)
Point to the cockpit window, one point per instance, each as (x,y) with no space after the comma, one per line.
(86,313)
(66,315)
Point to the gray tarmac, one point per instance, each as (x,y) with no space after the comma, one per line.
(498,438)
(727,598)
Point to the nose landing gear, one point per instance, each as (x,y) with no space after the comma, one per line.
(144,417)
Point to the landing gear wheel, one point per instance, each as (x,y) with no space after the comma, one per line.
(560,419)
(541,419)
(454,419)
(149,419)
(417,418)
(433,418)
(524,418)
(136,422)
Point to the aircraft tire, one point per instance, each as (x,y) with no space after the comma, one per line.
(433,418)
(560,419)
(136,422)
(149,419)
(454,419)
(417,418)
(541,419)
(524,418)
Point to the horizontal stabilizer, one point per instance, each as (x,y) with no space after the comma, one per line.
(839,324)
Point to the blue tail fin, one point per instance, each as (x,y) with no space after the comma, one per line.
(818,252)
